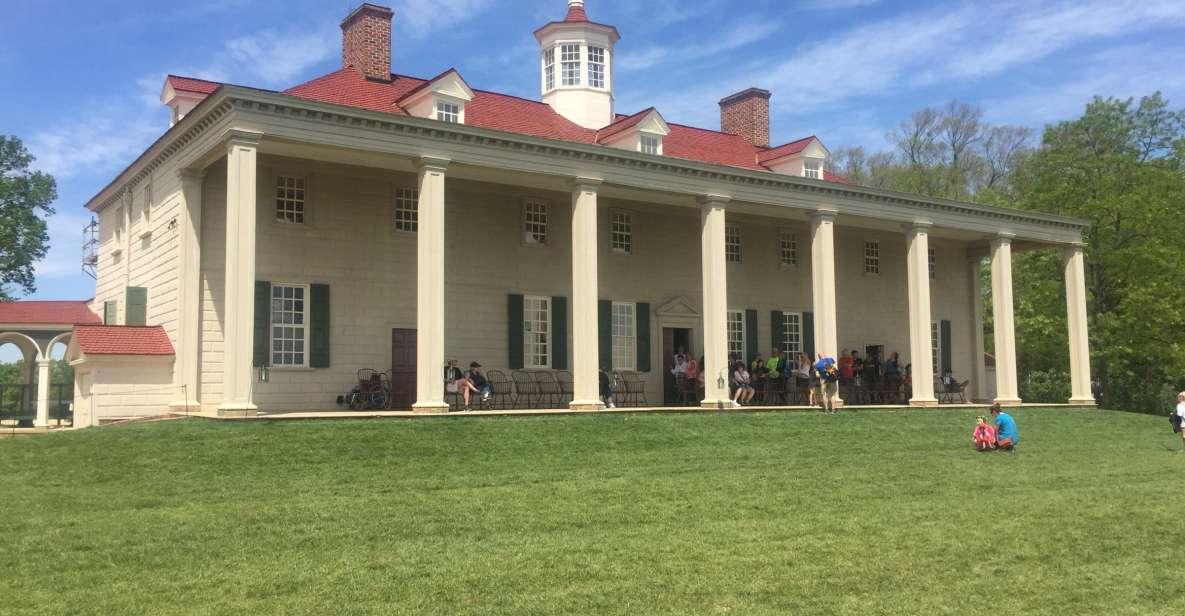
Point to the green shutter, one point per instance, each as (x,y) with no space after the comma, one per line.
(514,325)
(751,341)
(110,312)
(263,318)
(945,348)
(808,334)
(136,306)
(605,334)
(642,315)
(319,326)
(559,333)
(776,325)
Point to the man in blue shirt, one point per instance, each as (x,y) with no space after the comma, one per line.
(1007,435)
(828,373)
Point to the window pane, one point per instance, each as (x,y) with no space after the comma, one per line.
(621,233)
(535,222)
(736,334)
(290,199)
(288,325)
(536,325)
(788,248)
(624,337)
(872,257)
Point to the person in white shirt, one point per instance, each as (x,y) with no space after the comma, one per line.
(744,387)
(1181,414)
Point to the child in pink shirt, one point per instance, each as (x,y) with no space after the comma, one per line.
(984,435)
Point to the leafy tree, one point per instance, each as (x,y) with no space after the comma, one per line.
(25,197)
(1119,166)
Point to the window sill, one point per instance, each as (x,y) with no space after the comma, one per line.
(147,235)
(291,369)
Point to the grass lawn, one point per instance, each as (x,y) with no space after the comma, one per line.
(778,513)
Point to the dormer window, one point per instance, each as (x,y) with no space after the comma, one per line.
(448,112)
(596,67)
(813,169)
(570,64)
(650,144)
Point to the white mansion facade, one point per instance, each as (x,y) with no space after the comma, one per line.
(285,240)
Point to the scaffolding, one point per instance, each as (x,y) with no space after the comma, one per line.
(90,248)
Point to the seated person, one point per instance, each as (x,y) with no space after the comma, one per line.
(455,382)
(760,373)
(1007,434)
(744,389)
(477,378)
(948,381)
(983,436)
(757,363)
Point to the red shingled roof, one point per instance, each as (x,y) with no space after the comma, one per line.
(190,84)
(47,313)
(794,147)
(622,123)
(122,340)
(576,13)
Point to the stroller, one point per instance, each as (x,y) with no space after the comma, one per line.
(373,391)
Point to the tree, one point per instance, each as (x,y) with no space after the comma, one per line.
(1120,167)
(25,199)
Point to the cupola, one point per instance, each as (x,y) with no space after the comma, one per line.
(577,67)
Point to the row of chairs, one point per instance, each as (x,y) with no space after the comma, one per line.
(533,389)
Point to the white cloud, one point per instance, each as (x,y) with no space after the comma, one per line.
(99,137)
(420,18)
(268,59)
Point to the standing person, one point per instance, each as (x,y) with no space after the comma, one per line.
(829,381)
(1181,414)
(745,391)
(678,364)
(606,389)
(893,368)
(1007,434)
(846,372)
(802,372)
(455,382)
(477,377)
(773,366)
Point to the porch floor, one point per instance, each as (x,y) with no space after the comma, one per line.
(347,414)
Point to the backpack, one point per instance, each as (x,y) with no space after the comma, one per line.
(1175,419)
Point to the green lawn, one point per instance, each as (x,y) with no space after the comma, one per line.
(873,512)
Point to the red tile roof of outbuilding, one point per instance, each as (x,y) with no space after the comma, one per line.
(190,84)
(122,340)
(47,313)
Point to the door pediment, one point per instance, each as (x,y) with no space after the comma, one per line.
(677,307)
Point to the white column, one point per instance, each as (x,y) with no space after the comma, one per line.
(823,284)
(43,376)
(978,367)
(239,329)
(715,277)
(1075,264)
(585,355)
(1005,333)
(920,349)
(189,294)
(430,288)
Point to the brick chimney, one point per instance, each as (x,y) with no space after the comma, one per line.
(746,114)
(366,41)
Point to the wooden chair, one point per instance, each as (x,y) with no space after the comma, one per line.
(525,389)
(567,390)
(550,392)
(635,388)
(963,391)
(501,391)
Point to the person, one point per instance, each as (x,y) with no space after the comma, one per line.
(679,364)
(846,362)
(871,369)
(893,368)
(744,389)
(983,436)
(857,367)
(455,382)
(828,373)
(948,381)
(802,372)
(1181,414)
(691,368)
(1007,434)
(773,366)
(606,389)
(759,372)
(477,377)
(757,364)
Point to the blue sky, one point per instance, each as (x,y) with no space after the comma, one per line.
(80,85)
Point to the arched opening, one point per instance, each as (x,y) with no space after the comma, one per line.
(18,373)
(61,382)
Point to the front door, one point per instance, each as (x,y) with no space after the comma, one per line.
(674,340)
(403,368)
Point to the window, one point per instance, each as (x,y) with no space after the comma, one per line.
(290,199)
(290,333)
(625,344)
(119,220)
(736,334)
(791,334)
(110,312)
(448,112)
(407,204)
(549,69)
(933,259)
(537,332)
(935,347)
(535,222)
(812,169)
(872,257)
(146,209)
(650,144)
(788,248)
(570,64)
(621,232)
(732,243)
(596,67)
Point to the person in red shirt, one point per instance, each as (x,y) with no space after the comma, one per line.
(847,367)
(984,436)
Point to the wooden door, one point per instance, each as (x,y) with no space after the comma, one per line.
(403,368)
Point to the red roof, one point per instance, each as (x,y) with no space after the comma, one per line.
(794,147)
(576,12)
(122,340)
(47,313)
(622,123)
(190,84)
